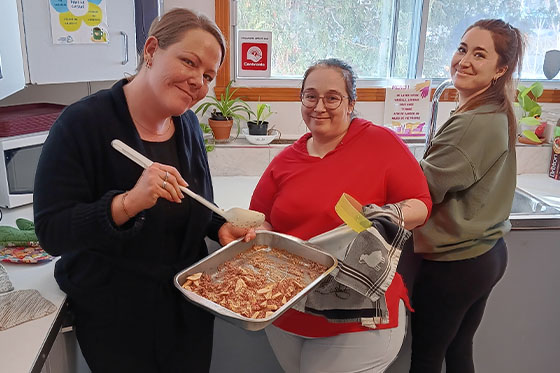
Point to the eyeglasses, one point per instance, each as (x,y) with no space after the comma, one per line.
(331,100)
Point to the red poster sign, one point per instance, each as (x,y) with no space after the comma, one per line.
(254,56)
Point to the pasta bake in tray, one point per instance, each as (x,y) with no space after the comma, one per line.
(250,284)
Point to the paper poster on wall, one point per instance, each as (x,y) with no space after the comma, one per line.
(407,107)
(79,21)
(253,53)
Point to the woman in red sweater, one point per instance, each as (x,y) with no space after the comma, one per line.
(298,192)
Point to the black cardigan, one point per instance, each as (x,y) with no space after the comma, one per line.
(78,175)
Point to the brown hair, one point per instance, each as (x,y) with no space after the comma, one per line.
(345,70)
(510,46)
(170,27)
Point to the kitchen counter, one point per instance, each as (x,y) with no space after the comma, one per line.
(536,204)
(236,191)
(25,347)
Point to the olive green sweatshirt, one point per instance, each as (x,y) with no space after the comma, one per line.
(471,174)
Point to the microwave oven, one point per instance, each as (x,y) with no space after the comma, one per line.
(20,155)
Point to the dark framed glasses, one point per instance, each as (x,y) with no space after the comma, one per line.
(331,100)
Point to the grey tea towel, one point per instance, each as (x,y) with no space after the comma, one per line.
(21,306)
(5,283)
(367,264)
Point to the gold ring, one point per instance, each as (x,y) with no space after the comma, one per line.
(164,184)
(166,175)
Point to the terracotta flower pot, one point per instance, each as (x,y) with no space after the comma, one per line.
(221,128)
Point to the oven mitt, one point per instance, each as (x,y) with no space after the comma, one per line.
(25,225)
(21,306)
(23,235)
(5,283)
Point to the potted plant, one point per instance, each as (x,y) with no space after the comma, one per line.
(206,129)
(225,111)
(259,126)
(531,128)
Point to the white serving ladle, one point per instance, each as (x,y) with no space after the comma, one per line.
(237,216)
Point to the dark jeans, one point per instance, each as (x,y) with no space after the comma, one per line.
(449,300)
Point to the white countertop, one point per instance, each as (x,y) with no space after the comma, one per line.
(21,345)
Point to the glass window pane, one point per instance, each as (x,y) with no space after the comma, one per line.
(303,31)
(404,38)
(539,20)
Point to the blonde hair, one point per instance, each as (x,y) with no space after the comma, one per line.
(169,28)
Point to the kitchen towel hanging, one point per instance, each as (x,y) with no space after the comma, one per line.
(21,306)
(5,283)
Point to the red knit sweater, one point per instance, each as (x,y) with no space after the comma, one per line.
(298,192)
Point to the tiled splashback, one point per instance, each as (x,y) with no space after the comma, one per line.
(533,159)
(241,159)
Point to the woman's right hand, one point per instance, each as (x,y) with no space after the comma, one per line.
(158,180)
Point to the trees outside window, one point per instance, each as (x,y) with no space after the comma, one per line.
(380,38)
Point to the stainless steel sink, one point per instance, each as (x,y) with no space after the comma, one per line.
(525,203)
(531,212)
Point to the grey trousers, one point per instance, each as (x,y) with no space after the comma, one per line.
(368,352)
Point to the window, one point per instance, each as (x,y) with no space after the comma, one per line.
(362,32)
(539,20)
(382,38)
(411,34)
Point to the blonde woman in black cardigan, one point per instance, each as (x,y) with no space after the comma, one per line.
(123,232)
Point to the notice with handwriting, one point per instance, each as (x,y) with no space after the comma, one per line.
(407,107)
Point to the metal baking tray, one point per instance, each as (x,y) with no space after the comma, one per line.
(278,240)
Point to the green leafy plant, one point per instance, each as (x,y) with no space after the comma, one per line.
(262,113)
(531,109)
(226,107)
(531,128)
(206,129)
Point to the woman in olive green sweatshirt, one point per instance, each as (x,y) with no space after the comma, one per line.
(471,171)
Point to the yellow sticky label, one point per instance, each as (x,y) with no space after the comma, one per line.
(350,211)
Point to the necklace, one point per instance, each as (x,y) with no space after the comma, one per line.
(156,133)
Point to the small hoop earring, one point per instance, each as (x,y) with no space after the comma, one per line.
(494,80)
(148,64)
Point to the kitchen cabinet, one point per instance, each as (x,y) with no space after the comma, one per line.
(66,63)
(12,77)
(28,54)
(519,331)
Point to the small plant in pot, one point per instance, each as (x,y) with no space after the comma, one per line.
(225,111)
(259,126)
(531,127)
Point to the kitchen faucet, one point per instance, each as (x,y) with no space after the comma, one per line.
(435,102)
